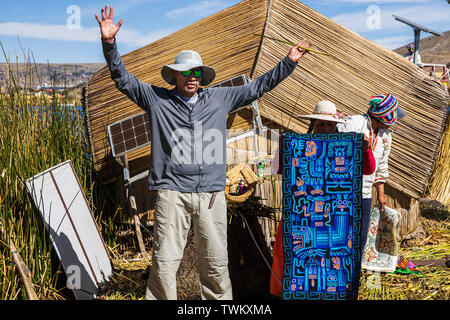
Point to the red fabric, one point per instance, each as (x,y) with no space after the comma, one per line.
(368,162)
(280,161)
(278,262)
(278,255)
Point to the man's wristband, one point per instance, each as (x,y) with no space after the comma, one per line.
(110,41)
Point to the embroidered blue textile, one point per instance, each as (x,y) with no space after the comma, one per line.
(322,206)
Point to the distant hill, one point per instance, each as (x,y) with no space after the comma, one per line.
(70,75)
(432,49)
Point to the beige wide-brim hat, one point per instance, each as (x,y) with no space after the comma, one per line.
(325,110)
(187,60)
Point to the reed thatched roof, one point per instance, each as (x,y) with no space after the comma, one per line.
(355,69)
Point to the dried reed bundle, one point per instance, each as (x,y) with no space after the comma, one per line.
(292,44)
(242,172)
(439,186)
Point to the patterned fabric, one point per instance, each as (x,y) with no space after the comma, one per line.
(384,108)
(405,266)
(322,179)
(383,240)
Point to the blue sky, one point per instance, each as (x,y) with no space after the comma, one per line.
(49,28)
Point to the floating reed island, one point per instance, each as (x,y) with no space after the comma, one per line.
(353,69)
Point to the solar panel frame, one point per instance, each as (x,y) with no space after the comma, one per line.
(233,82)
(129,134)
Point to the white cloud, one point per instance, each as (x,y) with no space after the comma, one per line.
(62,33)
(134,37)
(427,15)
(384,1)
(393,42)
(48,31)
(197,10)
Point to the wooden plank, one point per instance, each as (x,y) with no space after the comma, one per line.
(21,266)
(134,212)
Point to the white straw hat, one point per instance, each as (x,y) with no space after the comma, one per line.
(187,60)
(326,110)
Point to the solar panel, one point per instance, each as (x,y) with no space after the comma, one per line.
(75,236)
(233,82)
(129,134)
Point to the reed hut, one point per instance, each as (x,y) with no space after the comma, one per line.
(354,70)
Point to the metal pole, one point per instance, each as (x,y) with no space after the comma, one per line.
(133,206)
(416,43)
(257,127)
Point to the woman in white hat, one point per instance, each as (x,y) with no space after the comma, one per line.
(324,119)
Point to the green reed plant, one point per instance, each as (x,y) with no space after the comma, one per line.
(38,132)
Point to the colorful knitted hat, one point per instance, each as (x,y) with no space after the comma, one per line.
(385,108)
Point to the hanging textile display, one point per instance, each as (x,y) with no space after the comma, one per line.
(322,205)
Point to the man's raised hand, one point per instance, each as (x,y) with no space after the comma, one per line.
(107,26)
(297,52)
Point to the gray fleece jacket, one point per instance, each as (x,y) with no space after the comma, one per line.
(188,142)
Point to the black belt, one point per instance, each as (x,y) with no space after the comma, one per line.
(213,198)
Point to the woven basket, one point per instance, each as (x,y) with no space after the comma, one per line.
(235,175)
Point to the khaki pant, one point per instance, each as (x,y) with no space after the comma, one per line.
(175,212)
